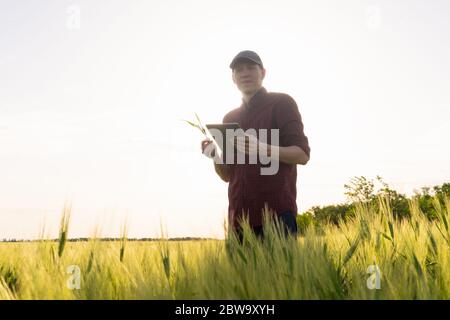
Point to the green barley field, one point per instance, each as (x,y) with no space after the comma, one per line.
(370,256)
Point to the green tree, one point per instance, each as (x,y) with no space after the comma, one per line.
(360,189)
(398,202)
(332,213)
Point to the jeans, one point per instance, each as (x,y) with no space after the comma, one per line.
(288,224)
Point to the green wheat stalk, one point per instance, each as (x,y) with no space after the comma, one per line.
(123,240)
(64,229)
(197,125)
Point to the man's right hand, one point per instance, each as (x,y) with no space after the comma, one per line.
(208,148)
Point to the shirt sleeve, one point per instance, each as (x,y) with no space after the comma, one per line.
(289,122)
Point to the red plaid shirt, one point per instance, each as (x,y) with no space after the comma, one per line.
(248,190)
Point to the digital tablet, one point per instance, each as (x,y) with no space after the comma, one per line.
(222,127)
(216,128)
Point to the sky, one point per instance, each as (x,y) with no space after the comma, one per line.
(92,93)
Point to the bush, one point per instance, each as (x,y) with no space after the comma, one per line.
(304,221)
(362,190)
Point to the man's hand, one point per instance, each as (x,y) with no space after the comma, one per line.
(289,155)
(250,145)
(208,148)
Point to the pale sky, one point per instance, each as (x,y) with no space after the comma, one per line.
(91,93)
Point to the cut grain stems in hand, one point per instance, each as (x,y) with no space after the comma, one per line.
(197,125)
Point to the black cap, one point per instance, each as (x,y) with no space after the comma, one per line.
(246,55)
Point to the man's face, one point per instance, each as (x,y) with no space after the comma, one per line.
(248,76)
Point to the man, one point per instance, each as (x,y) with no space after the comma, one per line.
(250,192)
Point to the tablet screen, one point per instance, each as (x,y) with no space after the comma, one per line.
(222,127)
(218,132)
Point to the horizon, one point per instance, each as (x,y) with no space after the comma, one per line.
(164,237)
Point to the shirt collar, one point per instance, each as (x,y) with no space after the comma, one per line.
(257,98)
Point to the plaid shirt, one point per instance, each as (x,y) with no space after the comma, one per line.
(249,191)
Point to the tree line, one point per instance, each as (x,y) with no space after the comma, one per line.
(363,190)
